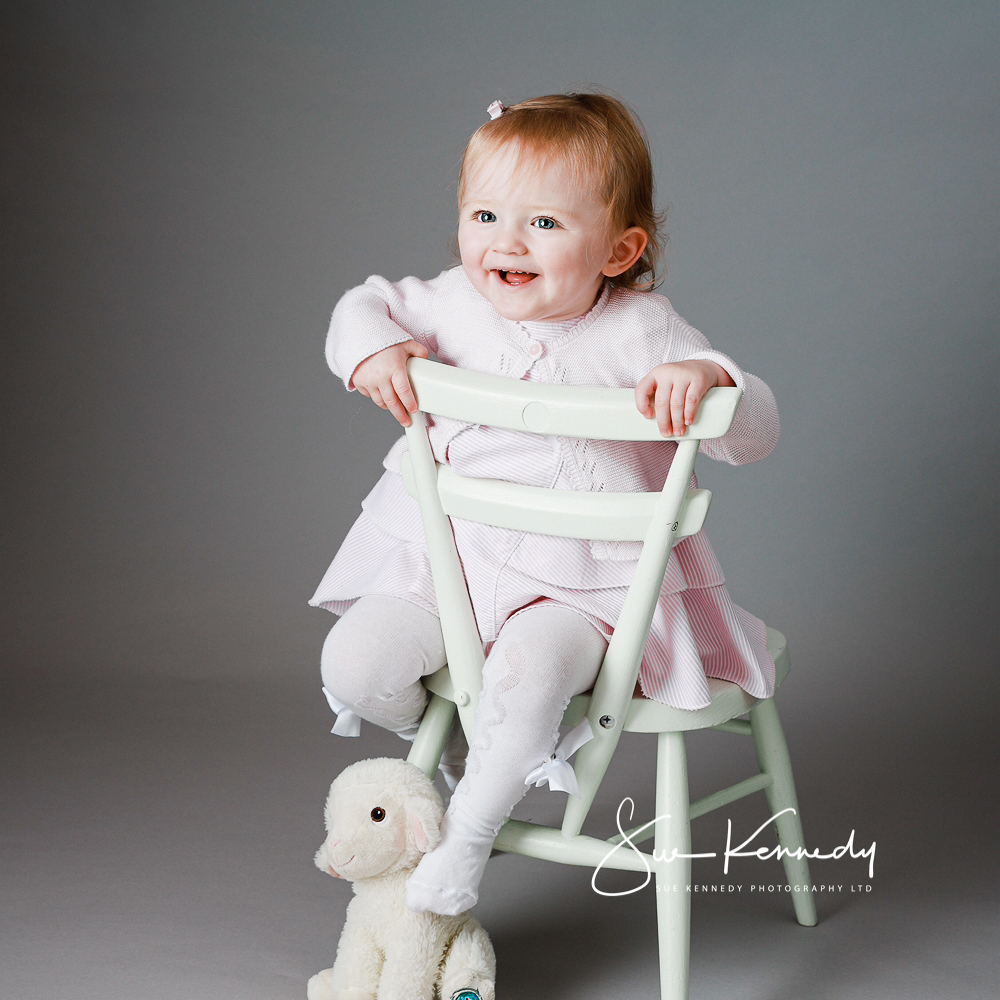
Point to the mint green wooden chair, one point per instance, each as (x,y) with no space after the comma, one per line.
(656,519)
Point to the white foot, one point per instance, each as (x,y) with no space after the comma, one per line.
(447,879)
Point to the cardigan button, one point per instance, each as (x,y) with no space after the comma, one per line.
(535,349)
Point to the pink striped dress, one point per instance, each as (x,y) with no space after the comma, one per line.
(697,630)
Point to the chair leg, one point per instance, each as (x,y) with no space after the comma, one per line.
(772,756)
(432,735)
(673,901)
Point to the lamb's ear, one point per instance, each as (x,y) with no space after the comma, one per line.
(424,821)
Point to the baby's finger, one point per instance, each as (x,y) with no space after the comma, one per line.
(662,407)
(643,391)
(691,401)
(394,406)
(404,390)
(677,397)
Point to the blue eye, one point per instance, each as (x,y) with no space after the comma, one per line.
(486,217)
(545,223)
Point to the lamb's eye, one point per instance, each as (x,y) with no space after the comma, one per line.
(378,814)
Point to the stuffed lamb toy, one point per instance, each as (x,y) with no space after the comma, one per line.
(381,816)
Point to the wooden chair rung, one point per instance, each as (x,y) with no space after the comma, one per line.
(740,727)
(724,796)
(636,834)
(756,783)
(550,844)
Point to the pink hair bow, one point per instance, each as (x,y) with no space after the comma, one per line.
(495,110)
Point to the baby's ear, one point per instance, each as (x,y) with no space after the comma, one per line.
(627,250)
(423,820)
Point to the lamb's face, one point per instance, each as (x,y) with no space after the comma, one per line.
(381,816)
(367,835)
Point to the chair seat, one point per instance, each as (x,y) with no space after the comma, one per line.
(729,700)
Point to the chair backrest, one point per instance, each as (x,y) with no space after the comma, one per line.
(656,519)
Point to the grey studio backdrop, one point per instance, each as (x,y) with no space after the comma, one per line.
(187,190)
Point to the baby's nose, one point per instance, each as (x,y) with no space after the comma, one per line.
(509,241)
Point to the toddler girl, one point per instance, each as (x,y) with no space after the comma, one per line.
(558,239)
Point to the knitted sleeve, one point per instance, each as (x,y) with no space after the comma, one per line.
(377,315)
(755,428)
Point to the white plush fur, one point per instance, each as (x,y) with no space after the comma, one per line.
(386,951)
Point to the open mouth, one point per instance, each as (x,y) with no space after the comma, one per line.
(516,277)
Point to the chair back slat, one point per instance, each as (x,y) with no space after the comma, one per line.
(610,517)
(566,411)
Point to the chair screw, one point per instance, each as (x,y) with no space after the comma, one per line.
(462,698)
(608,721)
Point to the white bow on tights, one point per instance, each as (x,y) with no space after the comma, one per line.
(347,724)
(557,770)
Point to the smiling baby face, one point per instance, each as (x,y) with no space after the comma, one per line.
(534,236)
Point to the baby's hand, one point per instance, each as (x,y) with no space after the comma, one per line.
(672,393)
(382,378)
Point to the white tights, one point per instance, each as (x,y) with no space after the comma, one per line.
(373,660)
